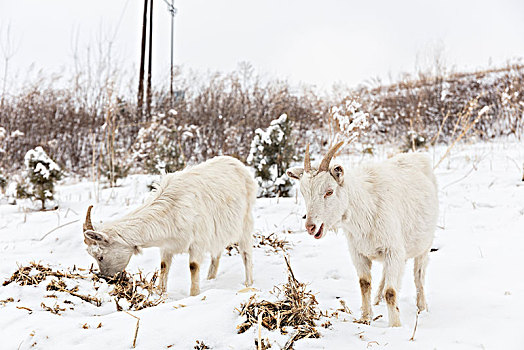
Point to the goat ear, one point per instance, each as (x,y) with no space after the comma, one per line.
(337,171)
(295,173)
(91,236)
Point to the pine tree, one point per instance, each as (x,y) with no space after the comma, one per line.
(272,152)
(3,183)
(157,147)
(42,173)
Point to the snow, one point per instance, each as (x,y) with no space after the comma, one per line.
(16,133)
(484,110)
(351,120)
(350,117)
(274,130)
(45,164)
(40,168)
(474,282)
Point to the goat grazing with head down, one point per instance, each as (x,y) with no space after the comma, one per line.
(388,212)
(199,210)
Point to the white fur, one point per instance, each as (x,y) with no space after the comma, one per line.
(199,210)
(388,212)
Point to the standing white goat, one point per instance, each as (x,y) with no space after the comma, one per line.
(199,210)
(388,212)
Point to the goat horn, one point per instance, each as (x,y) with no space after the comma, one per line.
(307,161)
(88,225)
(324,165)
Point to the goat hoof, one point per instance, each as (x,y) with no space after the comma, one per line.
(421,304)
(394,321)
(162,289)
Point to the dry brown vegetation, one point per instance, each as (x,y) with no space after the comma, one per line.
(295,312)
(218,113)
(272,243)
(431,105)
(138,291)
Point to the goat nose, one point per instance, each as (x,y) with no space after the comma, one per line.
(310,228)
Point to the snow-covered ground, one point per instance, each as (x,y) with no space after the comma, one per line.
(475,283)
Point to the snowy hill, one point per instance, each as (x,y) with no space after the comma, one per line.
(474,282)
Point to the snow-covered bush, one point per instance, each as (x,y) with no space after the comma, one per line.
(413,141)
(349,121)
(157,147)
(3,134)
(42,173)
(119,170)
(10,192)
(21,190)
(3,183)
(272,152)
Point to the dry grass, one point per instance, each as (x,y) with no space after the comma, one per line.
(56,309)
(25,276)
(273,244)
(465,122)
(60,286)
(5,301)
(414,328)
(297,309)
(136,328)
(263,344)
(74,113)
(138,291)
(272,241)
(338,314)
(200,345)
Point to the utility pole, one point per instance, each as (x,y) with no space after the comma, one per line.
(149,93)
(140,97)
(171,8)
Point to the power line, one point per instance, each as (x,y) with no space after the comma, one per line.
(171,8)
(120,20)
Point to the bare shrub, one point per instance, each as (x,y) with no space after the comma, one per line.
(90,119)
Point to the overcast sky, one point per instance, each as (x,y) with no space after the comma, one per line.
(316,42)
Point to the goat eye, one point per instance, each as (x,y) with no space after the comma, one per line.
(100,258)
(328,193)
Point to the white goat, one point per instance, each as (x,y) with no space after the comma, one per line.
(388,212)
(198,210)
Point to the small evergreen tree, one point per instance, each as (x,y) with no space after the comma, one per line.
(272,152)
(3,183)
(157,147)
(118,171)
(42,173)
(413,141)
(21,191)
